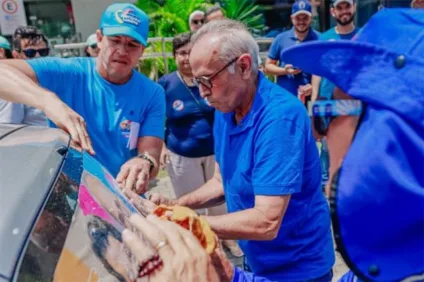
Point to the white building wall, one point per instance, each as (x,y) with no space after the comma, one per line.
(87,14)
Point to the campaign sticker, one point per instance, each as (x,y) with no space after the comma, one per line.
(178,105)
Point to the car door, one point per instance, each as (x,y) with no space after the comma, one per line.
(77,236)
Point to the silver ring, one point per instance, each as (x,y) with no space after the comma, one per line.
(160,245)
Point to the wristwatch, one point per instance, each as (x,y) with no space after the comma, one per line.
(147,157)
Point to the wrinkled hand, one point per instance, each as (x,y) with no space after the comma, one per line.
(290,70)
(71,122)
(159,199)
(164,158)
(145,207)
(184,259)
(134,175)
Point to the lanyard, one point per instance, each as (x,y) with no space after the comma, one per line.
(191,92)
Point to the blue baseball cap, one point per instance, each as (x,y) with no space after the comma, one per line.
(377,199)
(4,43)
(127,20)
(301,7)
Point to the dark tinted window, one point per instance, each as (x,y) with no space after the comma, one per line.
(50,231)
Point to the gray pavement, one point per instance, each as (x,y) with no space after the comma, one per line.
(163,186)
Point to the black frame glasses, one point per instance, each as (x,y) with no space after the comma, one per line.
(206,80)
(198,21)
(31,53)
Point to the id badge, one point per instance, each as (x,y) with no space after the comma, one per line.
(133,138)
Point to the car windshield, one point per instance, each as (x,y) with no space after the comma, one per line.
(77,236)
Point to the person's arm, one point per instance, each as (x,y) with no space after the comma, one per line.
(276,175)
(208,195)
(271,63)
(272,68)
(18,82)
(315,82)
(136,173)
(259,223)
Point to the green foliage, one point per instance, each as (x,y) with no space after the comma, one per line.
(169,18)
(247,12)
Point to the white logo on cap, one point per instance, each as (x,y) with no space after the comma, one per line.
(302,5)
(127,16)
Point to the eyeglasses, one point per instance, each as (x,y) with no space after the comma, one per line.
(198,21)
(94,46)
(183,53)
(325,111)
(206,81)
(31,53)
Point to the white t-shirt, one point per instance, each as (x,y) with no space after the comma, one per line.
(21,114)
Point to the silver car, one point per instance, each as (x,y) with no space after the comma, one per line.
(59,220)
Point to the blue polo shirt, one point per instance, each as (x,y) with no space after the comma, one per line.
(272,152)
(189,119)
(327,87)
(283,41)
(113,113)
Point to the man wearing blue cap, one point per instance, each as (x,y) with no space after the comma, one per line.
(109,109)
(288,76)
(375,139)
(343,12)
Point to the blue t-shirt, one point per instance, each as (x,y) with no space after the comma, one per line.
(272,152)
(111,111)
(326,87)
(189,122)
(283,41)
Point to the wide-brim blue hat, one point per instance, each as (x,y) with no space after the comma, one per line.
(378,200)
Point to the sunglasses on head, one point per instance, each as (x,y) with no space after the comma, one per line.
(206,80)
(324,111)
(198,21)
(31,53)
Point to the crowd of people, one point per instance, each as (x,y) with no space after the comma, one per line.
(243,151)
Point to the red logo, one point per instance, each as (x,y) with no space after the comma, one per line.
(10,7)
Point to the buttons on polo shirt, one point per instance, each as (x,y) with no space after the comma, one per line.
(373,270)
(400,61)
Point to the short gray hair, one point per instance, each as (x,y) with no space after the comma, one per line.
(195,13)
(234,39)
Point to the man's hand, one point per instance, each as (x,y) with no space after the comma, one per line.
(71,122)
(135,175)
(306,90)
(159,199)
(145,207)
(164,158)
(291,70)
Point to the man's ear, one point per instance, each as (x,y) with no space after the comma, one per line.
(245,63)
(99,36)
(332,12)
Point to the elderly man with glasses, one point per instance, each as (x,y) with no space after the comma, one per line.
(268,167)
